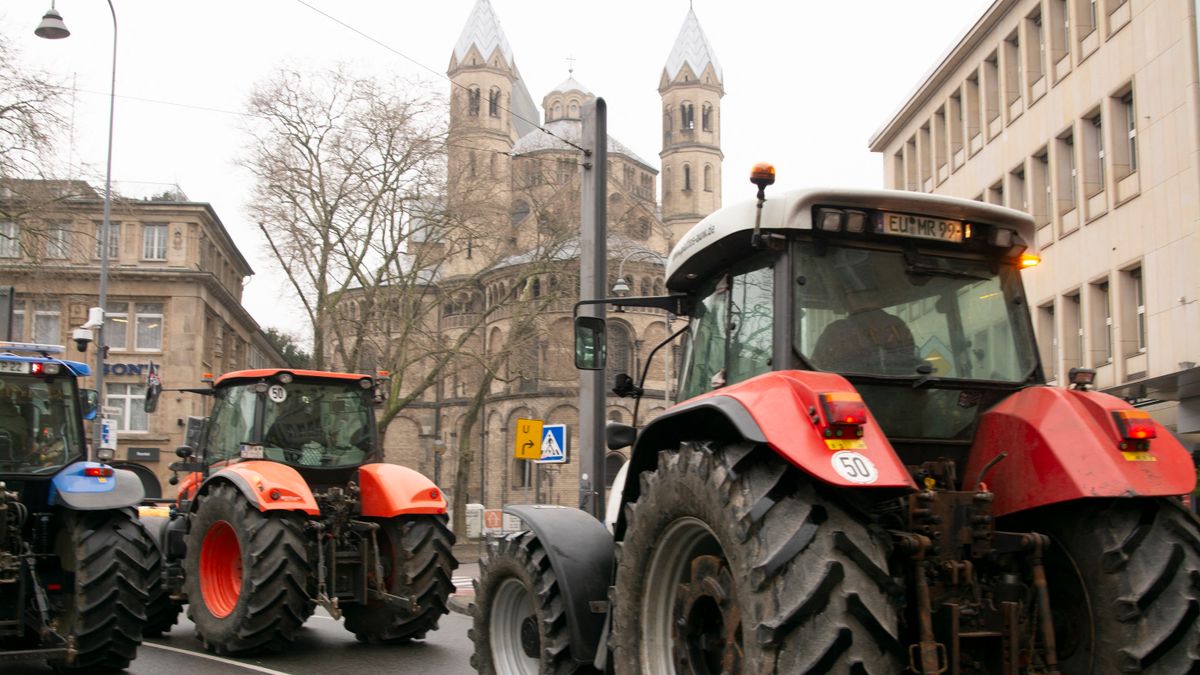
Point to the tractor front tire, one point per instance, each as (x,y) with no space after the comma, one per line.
(110,556)
(418,561)
(733,562)
(246,574)
(519,622)
(1124,579)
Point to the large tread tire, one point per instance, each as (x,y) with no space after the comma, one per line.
(162,612)
(517,591)
(418,561)
(1139,563)
(111,557)
(272,600)
(807,578)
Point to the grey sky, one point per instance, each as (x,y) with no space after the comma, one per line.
(806,82)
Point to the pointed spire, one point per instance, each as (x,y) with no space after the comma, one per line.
(692,48)
(483,31)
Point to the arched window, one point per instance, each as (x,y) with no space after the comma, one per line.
(687,177)
(645,287)
(658,287)
(706,117)
(473,101)
(520,211)
(537,287)
(557,111)
(641,229)
(494,102)
(708,177)
(574,109)
(620,351)
(687,117)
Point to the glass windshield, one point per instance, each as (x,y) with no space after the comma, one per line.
(318,425)
(872,312)
(40,428)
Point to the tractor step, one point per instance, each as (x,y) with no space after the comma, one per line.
(32,654)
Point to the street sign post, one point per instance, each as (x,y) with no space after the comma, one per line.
(528,444)
(554,444)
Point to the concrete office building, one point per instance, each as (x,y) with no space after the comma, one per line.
(1086,114)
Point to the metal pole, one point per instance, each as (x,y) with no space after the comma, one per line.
(593,278)
(104,230)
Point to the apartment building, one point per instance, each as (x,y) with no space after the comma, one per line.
(1086,114)
(173,300)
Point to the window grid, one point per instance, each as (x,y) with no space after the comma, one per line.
(129,399)
(154,242)
(58,242)
(1135,276)
(1131,130)
(10,240)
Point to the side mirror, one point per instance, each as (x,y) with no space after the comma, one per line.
(617,435)
(184,451)
(91,403)
(590,346)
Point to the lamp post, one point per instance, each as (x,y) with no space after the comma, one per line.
(53,28)
(621,286)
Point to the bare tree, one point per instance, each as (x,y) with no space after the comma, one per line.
(30,116)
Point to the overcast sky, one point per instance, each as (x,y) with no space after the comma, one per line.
(806,82)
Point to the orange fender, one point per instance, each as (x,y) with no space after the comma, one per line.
(270,486)
(391,490)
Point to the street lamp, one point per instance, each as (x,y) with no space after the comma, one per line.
(621,285)
(53,28)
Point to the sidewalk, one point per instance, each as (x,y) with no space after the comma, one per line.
(467,554)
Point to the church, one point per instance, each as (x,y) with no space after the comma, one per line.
(516,170)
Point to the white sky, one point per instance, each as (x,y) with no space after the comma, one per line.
(807,83)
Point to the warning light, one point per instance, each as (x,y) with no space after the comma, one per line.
(844,408)
(762,174)
(1029,260)
(98,471)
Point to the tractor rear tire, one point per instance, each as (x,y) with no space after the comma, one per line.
(111,558)
(162,612)
(519,623)
(734,562)
(1124,578)
(418,562)
(245,575)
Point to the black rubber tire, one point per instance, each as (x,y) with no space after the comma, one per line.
(162,612)
(110,555)
(1138,610)
(518,563)
(808,580)
(418,561)
(273,601)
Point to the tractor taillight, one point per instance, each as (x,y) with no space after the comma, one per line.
(845,413)
(1135,425)
(44,368)
(98,471)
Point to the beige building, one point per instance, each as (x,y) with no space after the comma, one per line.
(531,180)
(173,300)
(1086,114)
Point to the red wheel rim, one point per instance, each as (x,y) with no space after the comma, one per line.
(220,569)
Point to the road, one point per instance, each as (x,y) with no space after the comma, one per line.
(323,647)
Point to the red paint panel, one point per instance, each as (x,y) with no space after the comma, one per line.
(272,372)
(391,490)
(278,487)
(1063,445)
(780,402)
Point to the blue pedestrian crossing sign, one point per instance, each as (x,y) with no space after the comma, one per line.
(554,444)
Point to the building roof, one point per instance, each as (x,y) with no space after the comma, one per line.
(571,84)
(692,48)
(569,130)
(483,31)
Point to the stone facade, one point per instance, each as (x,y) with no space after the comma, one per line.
(174,299)
(1086,115)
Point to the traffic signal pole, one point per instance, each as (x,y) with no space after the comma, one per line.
(593,278)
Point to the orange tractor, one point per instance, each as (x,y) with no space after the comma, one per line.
(284,504)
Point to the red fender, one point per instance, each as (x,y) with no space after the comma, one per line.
(270,486)
(1064,445)
(391,490)
(780,403)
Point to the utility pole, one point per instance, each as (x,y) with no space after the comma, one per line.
(593,280)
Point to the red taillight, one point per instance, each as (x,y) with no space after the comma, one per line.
(35,368)
(1135,425)
(98,471)
(53,587)
(844,408)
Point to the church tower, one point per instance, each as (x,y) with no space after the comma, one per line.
(691,87)
(490,108)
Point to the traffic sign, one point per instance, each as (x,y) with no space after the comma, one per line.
(108,433)
(528,444)
(554,444)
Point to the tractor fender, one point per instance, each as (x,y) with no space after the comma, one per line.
(390,490)
(1064,445)
(269,486)
(582,555)
(76,491)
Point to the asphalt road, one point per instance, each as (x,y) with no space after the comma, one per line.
(323,647)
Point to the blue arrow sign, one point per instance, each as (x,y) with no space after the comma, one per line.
(554,444)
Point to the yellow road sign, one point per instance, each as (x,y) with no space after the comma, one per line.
(529,439)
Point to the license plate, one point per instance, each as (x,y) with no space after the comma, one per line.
(14,366)
(921,227)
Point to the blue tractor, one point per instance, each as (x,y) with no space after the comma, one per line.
(75,562)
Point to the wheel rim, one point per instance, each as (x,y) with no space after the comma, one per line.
(514,631)
(690,618)
(220,569)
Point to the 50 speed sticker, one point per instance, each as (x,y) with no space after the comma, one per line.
(855,467)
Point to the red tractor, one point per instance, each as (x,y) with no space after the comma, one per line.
(866,474)
(285,505)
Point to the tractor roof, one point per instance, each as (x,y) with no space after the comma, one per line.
(272,372)
(724,236)
(37,353)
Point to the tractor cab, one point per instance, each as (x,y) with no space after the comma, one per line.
(41,410)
